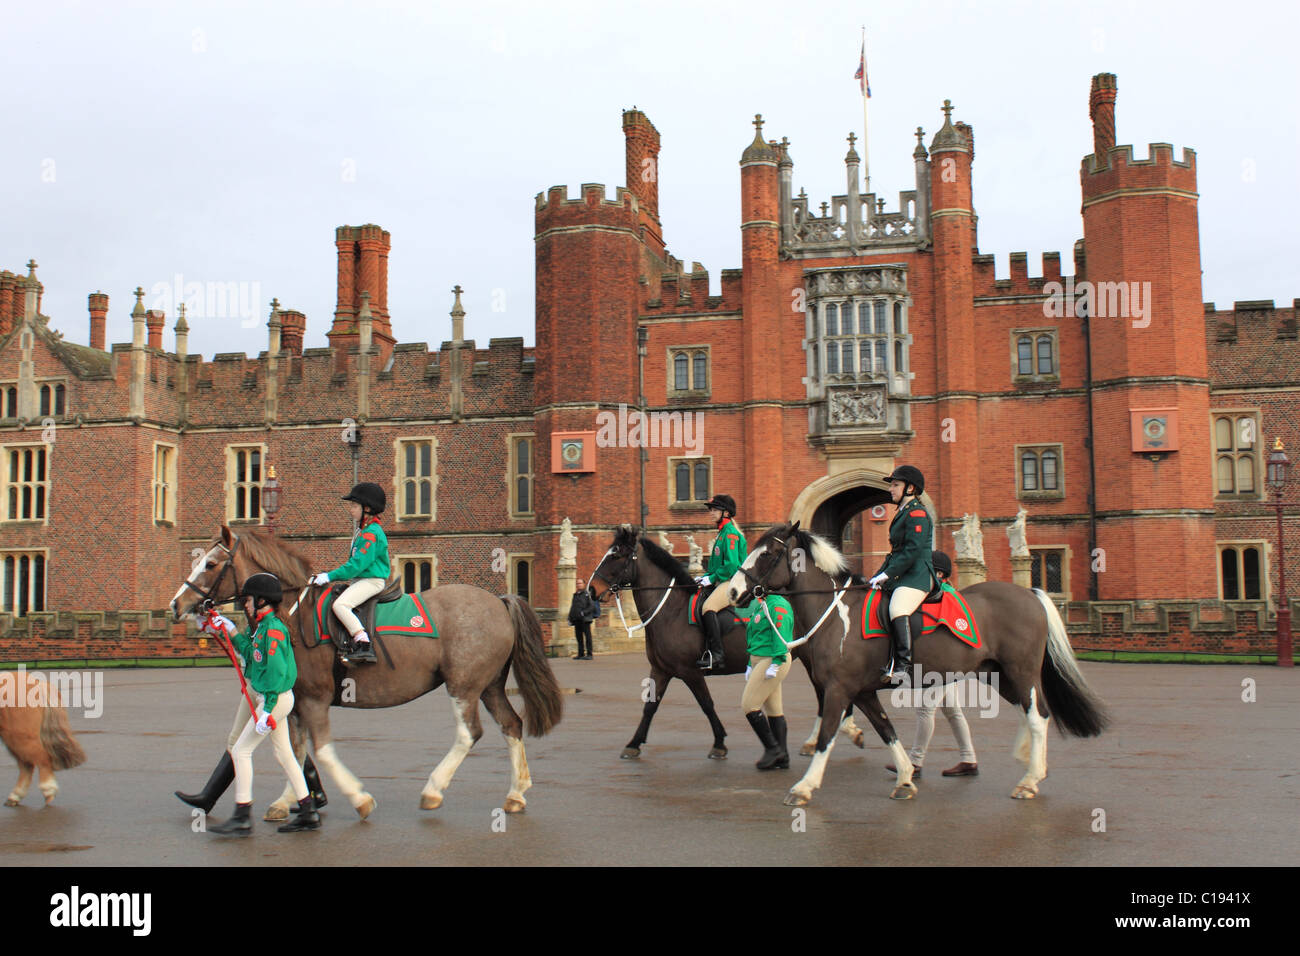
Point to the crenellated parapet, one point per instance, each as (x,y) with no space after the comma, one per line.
(1121,174)
(1019,282)
(684,293)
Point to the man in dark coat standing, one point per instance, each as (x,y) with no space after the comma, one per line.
(582,612)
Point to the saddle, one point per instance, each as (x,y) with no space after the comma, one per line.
(727,618)
(365,611)
(943,607)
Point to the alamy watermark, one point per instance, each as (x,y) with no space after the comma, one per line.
(638,429)
(82,690)
(1102,300)
(209,300)
(978,689)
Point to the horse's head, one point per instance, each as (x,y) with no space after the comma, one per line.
(767,568)
(617,569)
(214,578)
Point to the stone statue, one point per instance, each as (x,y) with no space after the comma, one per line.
(664,542)
(696,563)
(568,545)
(969,539)
(1016,532)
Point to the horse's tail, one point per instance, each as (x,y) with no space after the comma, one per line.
(543,702)
(56,736)
(1072,702)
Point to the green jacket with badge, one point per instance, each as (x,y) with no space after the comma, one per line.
(268,658)
(910,536)
(760,639)
(729,553)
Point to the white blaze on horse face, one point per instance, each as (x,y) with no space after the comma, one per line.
(737,585)
(195,573)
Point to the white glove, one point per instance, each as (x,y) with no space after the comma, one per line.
(218,623)
(770,672)
(879,579)
(321,579)
(747,671)
(703,580)
(263,723)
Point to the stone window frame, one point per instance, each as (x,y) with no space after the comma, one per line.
(896,337)
(1236,454)
(47,403)
(513,560)
(9,399)
(1066,553)
(1039,493)
(40,503)
(692,352)
(402,561)
(168,483)
(231,484)
(400,478)
(17,554)
(1035,335)
(513,474)
(1238,546)
(695,502)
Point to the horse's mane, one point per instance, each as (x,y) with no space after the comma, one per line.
(666,562)
(825,555)
(272,554)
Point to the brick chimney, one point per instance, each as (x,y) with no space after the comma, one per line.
(98,303)
(154,319)
(642,149)
(1101,108)
(293,327)
(363,267)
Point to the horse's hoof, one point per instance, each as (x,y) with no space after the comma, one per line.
(515,805)
(793,799)
(12,801)
(859,741)
(366,807)
(1023,793)
(630,753)
(430,801)
(718,753)
(276,812)
(904,791)
(807,750)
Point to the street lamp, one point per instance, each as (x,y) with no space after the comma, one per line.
(270,497)
(1278,466)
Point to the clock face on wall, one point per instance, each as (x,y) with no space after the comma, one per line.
(1154,428)
(571,453)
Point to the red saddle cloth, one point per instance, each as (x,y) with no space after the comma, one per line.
(950,611)
(694,614)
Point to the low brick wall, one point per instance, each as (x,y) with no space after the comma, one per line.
(1194,627)
(100,635)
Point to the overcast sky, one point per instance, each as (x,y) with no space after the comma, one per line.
(224,142)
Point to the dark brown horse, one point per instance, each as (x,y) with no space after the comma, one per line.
(661,588)
(479,636)
(1023,643)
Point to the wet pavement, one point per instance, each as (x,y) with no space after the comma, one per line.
(1189,775)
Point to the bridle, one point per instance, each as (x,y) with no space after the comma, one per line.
(615,588)
(758,586)
(209,596)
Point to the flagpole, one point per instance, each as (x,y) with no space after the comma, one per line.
(866,140)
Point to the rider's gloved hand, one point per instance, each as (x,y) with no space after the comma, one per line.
(703,580)
(321,579)
(879,579)
(217,623)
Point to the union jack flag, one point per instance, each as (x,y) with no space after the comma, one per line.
(864,84)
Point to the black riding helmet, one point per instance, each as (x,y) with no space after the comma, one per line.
(262,585)
(909,475)
(942,563)
(369,496)
(726,503)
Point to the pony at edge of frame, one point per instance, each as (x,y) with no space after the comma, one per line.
(34,728)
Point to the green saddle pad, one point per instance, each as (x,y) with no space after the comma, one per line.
(406,615)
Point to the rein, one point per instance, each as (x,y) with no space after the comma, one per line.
(614,589)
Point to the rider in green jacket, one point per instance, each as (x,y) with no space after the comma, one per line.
(729,553)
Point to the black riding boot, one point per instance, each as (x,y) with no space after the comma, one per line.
(238,825)
(363,652)
(771,749)
(217,784)
(779,730)
(901,661)
(312,776)
(305,817)
(712,659)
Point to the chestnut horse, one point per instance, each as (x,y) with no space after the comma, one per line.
(480,635)
(34,728)
(1023,642)
(662,588)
